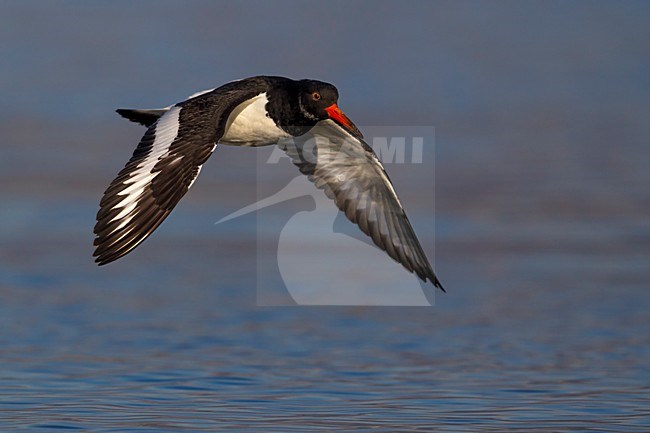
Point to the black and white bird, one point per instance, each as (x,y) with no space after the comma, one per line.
(302,117)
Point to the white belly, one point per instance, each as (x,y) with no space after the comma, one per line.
(248,125)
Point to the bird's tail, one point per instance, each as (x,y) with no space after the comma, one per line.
(143,117)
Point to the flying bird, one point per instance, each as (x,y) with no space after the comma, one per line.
(300,116)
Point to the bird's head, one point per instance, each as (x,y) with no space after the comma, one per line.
(318,101)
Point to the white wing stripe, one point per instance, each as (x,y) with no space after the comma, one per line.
(124,212)
(202,92)
(123,224)
(135,183)
(130,198)
(166,133)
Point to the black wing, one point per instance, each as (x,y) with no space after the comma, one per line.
(349,172)
(163,167)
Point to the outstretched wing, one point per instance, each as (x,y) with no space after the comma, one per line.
(349,172)
(163,168)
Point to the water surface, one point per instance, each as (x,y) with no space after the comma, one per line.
(541,231)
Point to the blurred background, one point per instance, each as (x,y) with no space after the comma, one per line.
(541,113)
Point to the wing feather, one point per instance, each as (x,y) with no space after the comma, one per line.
(163,167)
(349,172)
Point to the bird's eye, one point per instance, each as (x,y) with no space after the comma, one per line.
(315,96)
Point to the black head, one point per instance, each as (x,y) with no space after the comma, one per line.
(318,101)
(315,97)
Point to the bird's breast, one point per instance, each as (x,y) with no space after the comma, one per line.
(250,125)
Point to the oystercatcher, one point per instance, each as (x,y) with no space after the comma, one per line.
(302,117)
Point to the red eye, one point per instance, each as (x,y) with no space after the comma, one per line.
(315,96)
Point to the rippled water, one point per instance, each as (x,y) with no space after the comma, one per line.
(541,230)
(171,340)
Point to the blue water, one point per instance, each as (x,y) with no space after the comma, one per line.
(541,232)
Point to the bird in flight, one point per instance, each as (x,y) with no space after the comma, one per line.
(300,116)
